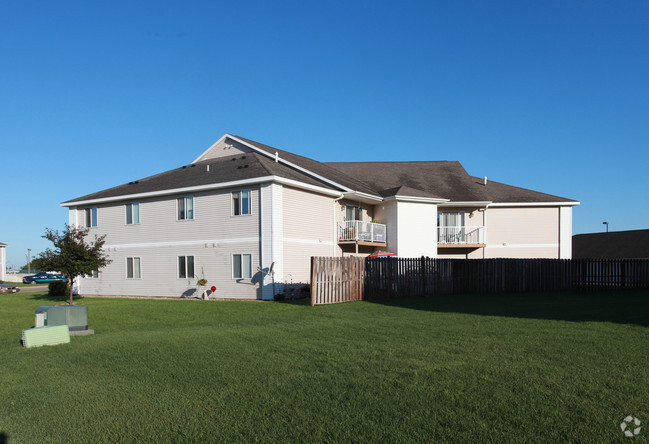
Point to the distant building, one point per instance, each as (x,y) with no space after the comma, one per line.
(630,244)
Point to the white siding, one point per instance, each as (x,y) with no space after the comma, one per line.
(272,229)
(565,233)
(308,231)
(211,237)
(417,229)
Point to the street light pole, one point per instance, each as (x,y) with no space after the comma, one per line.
(606,223)
(29,260)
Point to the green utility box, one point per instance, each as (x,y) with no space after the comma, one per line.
(74,316)
(36,337)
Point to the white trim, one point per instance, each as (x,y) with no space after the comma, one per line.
(479,204)
(183,243)
(357,195)
(305,186)
(533,204)
(214,186)
(308,241)
(432,200)
(506,245)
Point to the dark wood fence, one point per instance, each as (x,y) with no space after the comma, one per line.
(347,279)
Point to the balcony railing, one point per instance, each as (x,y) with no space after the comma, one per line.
(359,231)
(460,235)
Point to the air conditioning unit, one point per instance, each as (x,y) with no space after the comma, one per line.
(40,320)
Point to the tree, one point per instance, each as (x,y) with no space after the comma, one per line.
(72,255)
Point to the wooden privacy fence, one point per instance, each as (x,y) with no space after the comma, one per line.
(337,279)
(350,279)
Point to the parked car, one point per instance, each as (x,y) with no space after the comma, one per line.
(43,277)
(8,288)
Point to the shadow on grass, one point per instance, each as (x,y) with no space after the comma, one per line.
(619,306)
(46,297)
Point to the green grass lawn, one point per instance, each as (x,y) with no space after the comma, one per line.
(519,368)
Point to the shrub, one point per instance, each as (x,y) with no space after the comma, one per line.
(58,288)
(279,297)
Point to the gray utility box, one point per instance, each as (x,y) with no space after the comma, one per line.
(74,316)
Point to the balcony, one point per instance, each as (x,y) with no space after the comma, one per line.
(362,233)
(460,237)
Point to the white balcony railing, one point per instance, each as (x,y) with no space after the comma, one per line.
(460,235)
(356,230)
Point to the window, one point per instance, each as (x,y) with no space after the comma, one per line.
(242,266)
(185,208)
(353,212)
(132,213)
(93,275)
(91,217)
(241,202)
(185,267)
(450,219)
(133,268)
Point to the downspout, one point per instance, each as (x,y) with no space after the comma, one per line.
(335,243)
(484,224)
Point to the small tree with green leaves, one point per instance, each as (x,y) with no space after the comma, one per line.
(73,255)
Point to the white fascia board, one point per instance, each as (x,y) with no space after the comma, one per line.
(306,186)
(432,200)
(213,186)
(362,197)
(286,162)
(479,204)
(533,204)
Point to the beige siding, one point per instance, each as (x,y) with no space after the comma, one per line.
(226,148)
(308,231)
(523,232)
(211,237)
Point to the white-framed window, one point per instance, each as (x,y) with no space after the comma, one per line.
(450,219)
(90,217)
(185,267)
(353,212)
(133,270)
(242,266)
(185,207)
(241,202)
(93,275)
(132,213)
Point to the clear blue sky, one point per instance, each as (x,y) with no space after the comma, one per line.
(552,96)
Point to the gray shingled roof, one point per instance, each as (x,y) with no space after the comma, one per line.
(632,244)
(319,168)
(441,179)
(222,170)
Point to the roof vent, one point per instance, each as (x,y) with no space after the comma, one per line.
(184,166)
(233,159)
(276,157)
(193,165)
(245,166)
(485,181)
(243,157)
(239,167)
(208,168)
